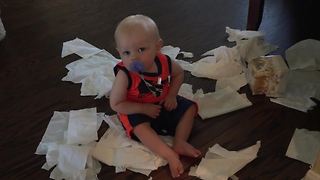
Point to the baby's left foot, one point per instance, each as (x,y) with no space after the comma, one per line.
(186,149)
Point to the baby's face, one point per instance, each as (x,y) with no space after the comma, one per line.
(138,46)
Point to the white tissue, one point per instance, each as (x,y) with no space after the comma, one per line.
(79,47)
(224,63)
(220,102)
(304,145)
(54,133)
(71,161)
(95,73)
(82,127)
(304,55)
(299,87)
(171,51)
(234,82)
(187,54)
(250,44)
(220,163)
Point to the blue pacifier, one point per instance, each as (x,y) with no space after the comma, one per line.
(136,66)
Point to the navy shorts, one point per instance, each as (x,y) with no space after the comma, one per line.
(165,124)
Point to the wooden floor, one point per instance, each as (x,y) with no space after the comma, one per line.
(31,70)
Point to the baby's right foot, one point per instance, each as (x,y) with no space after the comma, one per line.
(184,148)
(176,167)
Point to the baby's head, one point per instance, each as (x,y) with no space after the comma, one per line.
(137,39)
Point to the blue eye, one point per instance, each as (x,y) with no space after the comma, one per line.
(140,50)
(126,53)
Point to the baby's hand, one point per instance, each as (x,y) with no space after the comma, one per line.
(170,103)
(151,110)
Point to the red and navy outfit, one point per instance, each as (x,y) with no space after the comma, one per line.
(149,87)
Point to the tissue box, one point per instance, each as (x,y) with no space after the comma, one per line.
(265,73)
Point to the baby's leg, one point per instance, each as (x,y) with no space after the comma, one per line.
(180,144)
(151,139)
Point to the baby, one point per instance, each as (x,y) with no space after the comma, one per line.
(144,93)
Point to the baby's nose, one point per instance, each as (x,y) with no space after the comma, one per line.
(134,56)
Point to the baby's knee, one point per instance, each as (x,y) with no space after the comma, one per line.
(193,109)
(141,127)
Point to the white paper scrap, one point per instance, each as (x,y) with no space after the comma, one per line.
(82,128)
(54,133)
(95,73)
(171,51)
(220,102)
(238,35)
(298,103)
(250,44)
(234,82)
(79,47)
(304,55)
(304,145)
(220,163)
(186,91)
(72,161)
(187,54)
(72,158)
(216,70)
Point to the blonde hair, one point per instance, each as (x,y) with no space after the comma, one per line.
(137,22)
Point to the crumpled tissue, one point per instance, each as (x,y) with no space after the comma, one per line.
(215,103)
(67,146)
(95,72)
(304,55)
(220,164)
(302,81)
(304,145)
(79,47)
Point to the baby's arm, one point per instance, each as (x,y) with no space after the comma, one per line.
(120,104)
(170,101)
(151,139)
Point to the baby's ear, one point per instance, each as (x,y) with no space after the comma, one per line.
(159,44)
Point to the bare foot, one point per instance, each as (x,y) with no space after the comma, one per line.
(176,167)
(186,149)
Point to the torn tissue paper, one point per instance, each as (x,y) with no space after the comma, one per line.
(234,82)
(299,86)
(304,145)
(250,44)
(95,73)
(228,64)
(304,55)
(302,81)
(79,47)
(221,102)
(220,164)
(171,51)
(82,127)
(116,149)
(71,161)
(215,103)
(224,63)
